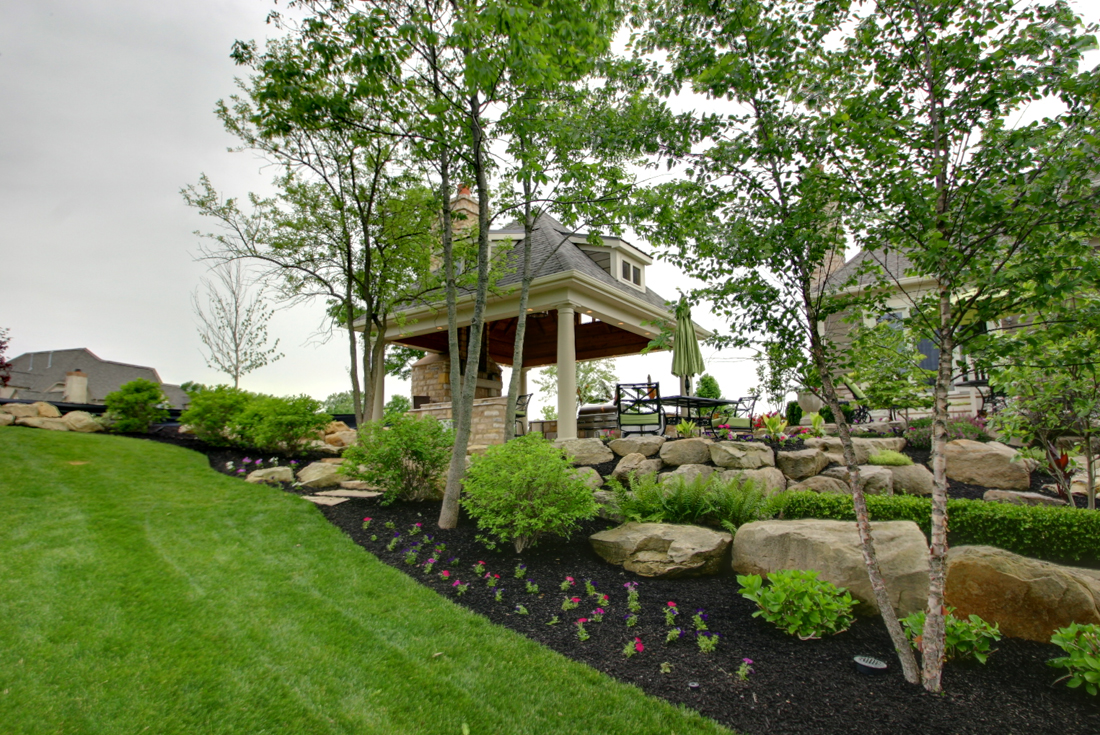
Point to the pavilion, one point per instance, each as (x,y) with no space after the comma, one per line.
(586,301)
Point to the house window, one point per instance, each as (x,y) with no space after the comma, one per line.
(626,271)
(637,276)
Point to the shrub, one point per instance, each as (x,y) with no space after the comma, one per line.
(278,424)
(213,410)
(799,603)
(526,488)
(889,458)
(703,500)
(827,413)
(970,638)
(794,413)
(919,434)
(136,406)
(1058,534)
(406,459)
(1081,643)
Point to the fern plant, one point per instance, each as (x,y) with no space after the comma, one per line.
(702,500)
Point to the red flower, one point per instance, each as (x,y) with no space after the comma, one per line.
(574,599)
(638,645)
(582,620)
(445,574)
(671,604)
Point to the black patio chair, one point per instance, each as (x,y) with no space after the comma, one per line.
(521,413)
(639,408)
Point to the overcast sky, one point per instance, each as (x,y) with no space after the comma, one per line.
(106,111)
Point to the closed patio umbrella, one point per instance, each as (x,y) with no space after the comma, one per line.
(687,360)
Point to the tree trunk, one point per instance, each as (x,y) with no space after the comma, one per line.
(521,320)
(932,638)
(859,503)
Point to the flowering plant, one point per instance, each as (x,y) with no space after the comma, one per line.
(633,647)
(707,641)
(445,575)
(632,597)
(390,526)
(499,596)
(411,554)
(631,620)
(479,568)
(581,632)
(670,613)
(698,618)
(521,569)
(416,528)
(428,565)
(491,579)
(460,587)
(532,588)
(590,588)
(521,610)
(393,541)
(745,669)
(673,635)
(570,603)
(596,616)
(553,621)
(366,523)
(566,584)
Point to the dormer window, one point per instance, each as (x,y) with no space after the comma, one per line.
(630,272)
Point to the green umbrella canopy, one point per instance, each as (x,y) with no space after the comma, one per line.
(687,359)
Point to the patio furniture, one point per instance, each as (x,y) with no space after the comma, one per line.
(701,411)
(597,419)
(521,413)
(740,415)
(639,408)
(861,414)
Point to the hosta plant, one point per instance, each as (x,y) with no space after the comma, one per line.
(799,603)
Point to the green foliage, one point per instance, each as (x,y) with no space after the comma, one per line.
(524,489)
(213,410)
(794,413)
(817,424)
(703,500)
(549,413)
(774,426)
(136,406)
(919,434)
(969,638)
(339,402)
(596,381)
(278,424)
(887,368)
(827,413)
(399,404)
(889,458)
(1081,644)
(686,428)
(1055,533)
(405,460)
(399,360)
(799,603)
(708,387)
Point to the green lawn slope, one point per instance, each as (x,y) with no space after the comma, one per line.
(140,591)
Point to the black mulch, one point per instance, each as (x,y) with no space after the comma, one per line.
(805,687)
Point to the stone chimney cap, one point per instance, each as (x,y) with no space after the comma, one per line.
(464,191)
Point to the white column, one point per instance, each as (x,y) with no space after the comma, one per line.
(379,392)
(567,374)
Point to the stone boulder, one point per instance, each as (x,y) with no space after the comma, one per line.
(341,439)
(821,484)
(6,419)
(663,549)
(644,445)
(46,410)
(336,427)
(988,464)
(607,506)
(863,447)
(687,473)
(20,410)
(803,463)
(589,476)
(768,479)
(1017,498)
(37,422)
(271,474)
(635,465)
(1026,597)
(81,421)
(876,480)
(914,479)
(586,452)
(742,455)
(686,451)
(833,549)
(319,475)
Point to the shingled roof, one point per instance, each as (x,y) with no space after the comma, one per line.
(40,376)
(552,251)
(894,262)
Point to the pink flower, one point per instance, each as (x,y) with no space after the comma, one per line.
(747,660)
(480,562)
(574,599)
(568,579)
(582,620)
(599,611)
(671,604)
(638,645)
(367,519)
(496,576)
(445,574)
(457,582)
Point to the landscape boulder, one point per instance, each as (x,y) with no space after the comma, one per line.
(645,445)
(821,484)
(988,464)
(319,475)
(833,549)
(1026,597)
(46,410)
(687,473)
(334,427)
(1018,498)
(769,479)
(37,422)
(20,410)
(686,451)
(608,507)
(271,474)
(914,479)
(876,480)
(803,463)
(863,447)
(586,452)
(742,455)
(341,439)
(635,465)
(81,421)
(589,476)
(663,549)
(6,419)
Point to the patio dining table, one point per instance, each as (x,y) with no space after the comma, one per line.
(698,410)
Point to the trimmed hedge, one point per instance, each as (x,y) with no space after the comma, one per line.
(1058,534)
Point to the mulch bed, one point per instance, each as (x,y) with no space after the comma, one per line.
(805,687)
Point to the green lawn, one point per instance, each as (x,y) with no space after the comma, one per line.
(142,591)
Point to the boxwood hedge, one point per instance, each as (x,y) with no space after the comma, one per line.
(1059,534)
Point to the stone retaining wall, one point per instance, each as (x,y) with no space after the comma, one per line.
(488,418)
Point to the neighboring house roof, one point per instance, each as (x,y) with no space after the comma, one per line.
(894,262)
(40,376)
(549,258)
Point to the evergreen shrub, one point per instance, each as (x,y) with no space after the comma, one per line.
(136,406)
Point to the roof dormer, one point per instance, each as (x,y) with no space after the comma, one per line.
(618,258)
